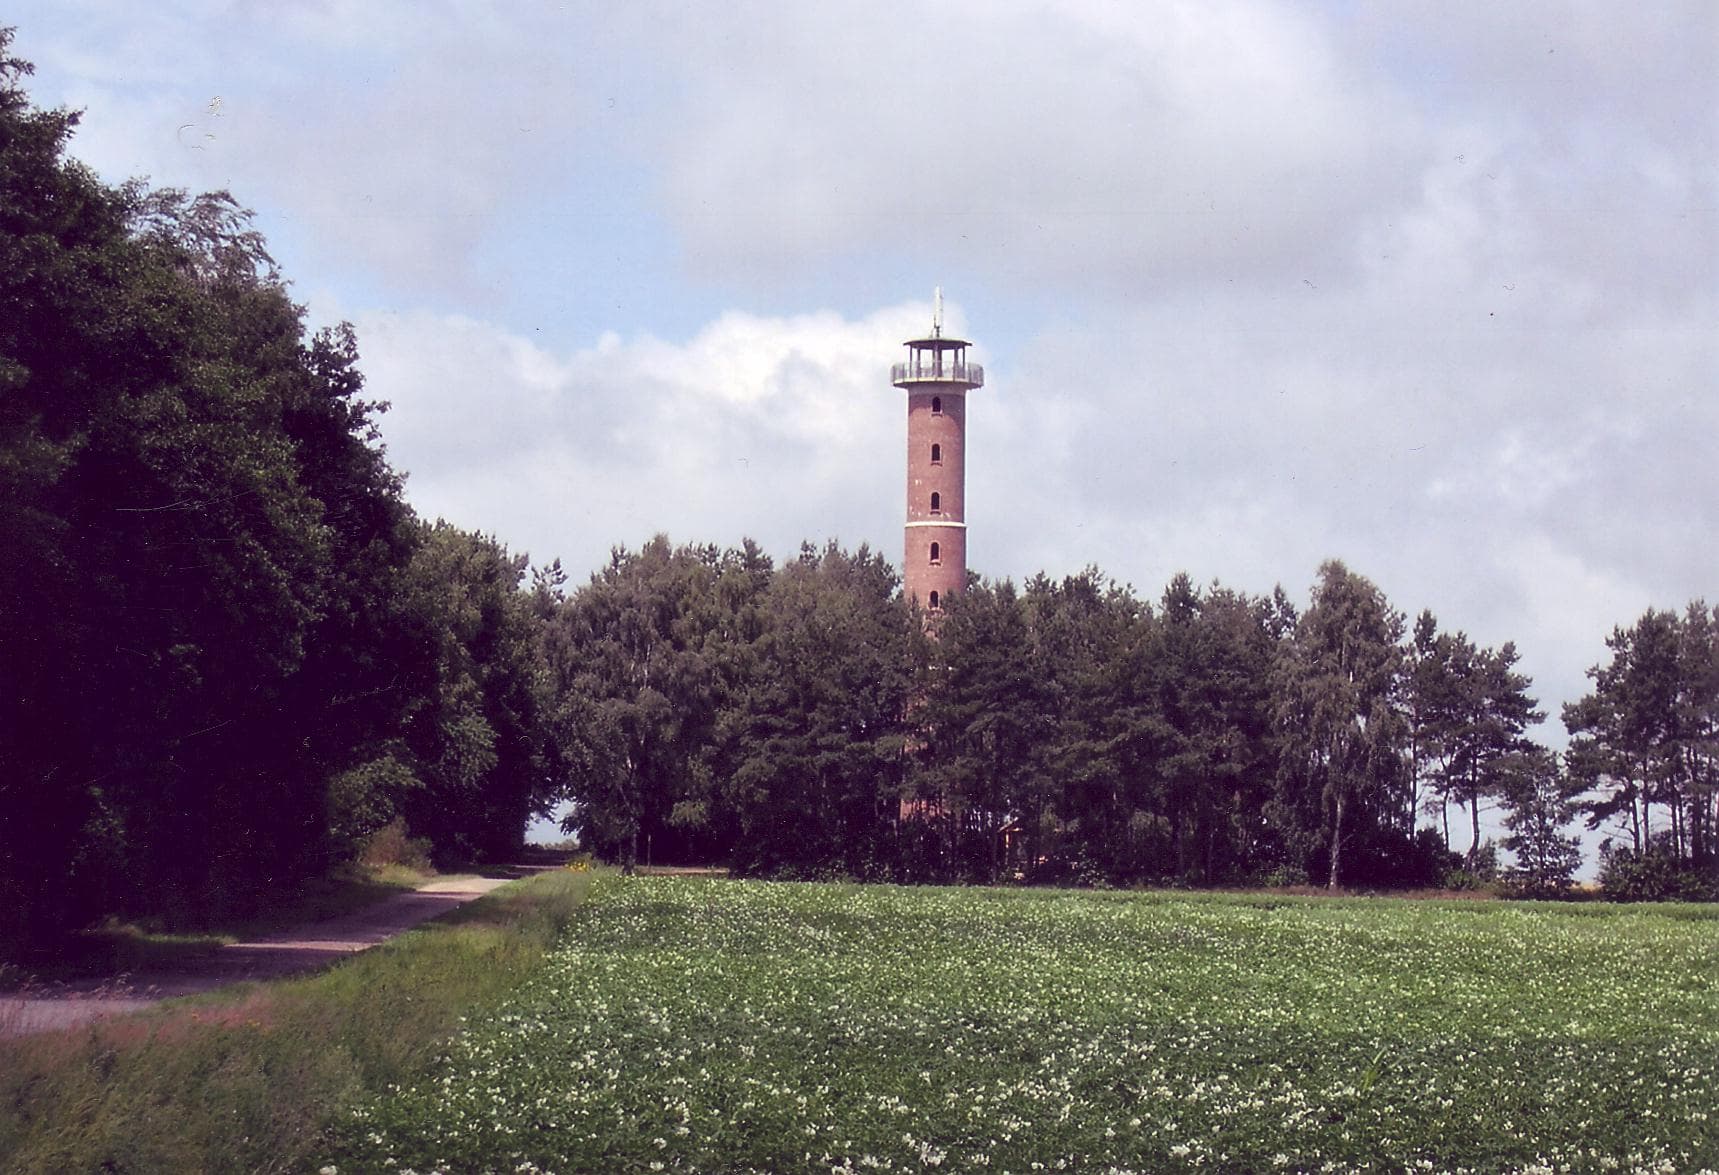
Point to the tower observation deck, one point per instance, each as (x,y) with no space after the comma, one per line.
(936,377)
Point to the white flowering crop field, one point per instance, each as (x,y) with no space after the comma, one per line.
(715,1025)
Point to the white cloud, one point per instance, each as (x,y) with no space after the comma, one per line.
(381,138)
(1565,609)
(779,429)
(1428,286)
(1077,143)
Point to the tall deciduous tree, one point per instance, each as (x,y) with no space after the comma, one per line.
(820,731)
(650,651)
(1083,631)
(1338,712)
(1206,666)
(984,722)
(482,740)
(1538,810)
(199,529)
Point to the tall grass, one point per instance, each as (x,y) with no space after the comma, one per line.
(246,1079)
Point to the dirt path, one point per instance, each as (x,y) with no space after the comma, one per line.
(305,948)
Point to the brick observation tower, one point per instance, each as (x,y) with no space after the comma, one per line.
(937,378)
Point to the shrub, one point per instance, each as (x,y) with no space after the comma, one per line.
(1656,875)
(363,802)
(1287,877)
(1469,881)
(389,845)
(1389,859)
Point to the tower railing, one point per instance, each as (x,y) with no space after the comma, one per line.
(971,374)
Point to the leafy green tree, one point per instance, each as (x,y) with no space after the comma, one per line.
(1118,744)
(1645,736)
(820,730)
(1494,711)
(983,722)
(200,529)
(1433,706)
(1084,631)
(1468,710)
(647,655)
(1215,655)
(1339,688)
(481,737)
(1622,731)
(1698,735)
(1538,810)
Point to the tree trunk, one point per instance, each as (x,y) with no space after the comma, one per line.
(993,833)
(1474,815)
(1697,819)
(1414,779)
(952,842)
(1646,791)
(1336,843)
(1697,807)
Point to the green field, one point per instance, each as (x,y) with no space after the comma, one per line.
(711,1025)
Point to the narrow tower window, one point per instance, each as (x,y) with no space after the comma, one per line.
(936,502)
(936,405)
(937,452)
(936,553)
(934,601)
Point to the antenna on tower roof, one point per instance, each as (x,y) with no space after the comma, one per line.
(937,312)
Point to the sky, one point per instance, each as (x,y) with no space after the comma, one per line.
(1428,286)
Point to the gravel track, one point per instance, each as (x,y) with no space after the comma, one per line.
(274,956)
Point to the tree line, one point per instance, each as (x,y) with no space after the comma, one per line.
(806,721)
(230,651)
(233,656)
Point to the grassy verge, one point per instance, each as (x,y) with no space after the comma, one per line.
(247,1079)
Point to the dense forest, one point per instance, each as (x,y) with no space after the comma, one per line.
(804,721)
(230,653)
(233,657)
